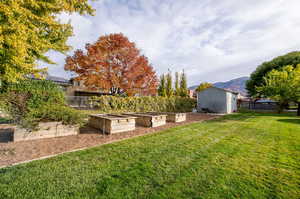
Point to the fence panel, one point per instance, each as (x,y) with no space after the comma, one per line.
(82,102)
(258,105)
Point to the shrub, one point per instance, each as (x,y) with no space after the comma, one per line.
(29,102)
(143,104)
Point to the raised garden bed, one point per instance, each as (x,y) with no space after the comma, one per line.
(149,119)
(175,117)
(45,130)
(88,137)
(112,123)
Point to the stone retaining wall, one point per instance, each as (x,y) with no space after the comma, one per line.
(45,130)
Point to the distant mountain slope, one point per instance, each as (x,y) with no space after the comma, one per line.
(238,85)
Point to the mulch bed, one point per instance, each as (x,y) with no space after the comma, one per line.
(12,153)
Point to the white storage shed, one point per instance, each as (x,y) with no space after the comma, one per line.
(217,100)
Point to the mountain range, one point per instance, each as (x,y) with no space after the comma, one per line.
(237,85)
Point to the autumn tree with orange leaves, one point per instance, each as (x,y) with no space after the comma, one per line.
(115,65)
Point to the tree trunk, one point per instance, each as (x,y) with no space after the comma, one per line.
(280,107)
(116,91)
(298,110)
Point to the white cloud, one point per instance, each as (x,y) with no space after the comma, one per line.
(211,40)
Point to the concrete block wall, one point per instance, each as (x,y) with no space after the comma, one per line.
(148,120)
(176,117)
(45,130)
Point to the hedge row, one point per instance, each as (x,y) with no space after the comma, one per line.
(143,104)
(29,102)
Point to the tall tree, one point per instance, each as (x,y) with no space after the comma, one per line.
(29,29)
(282,86)
(257,77)
(113,64)
(162,86)
(169,83)
(177,88)
(183,85)
(203,86)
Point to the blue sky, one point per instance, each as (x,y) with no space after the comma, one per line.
(212,40)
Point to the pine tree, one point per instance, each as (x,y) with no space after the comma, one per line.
(169,89)
(183,85)
(162,86)
(177,88)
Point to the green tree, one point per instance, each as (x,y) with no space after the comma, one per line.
(257,77)
(203,86)
(169,88)
(29,29)
(183,85)
(282,86)
(176,86)
(162,86)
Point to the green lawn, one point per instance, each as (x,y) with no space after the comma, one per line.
(238,156)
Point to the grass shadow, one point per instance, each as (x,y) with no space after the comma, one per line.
(293,121)
(243,116)
(231,117)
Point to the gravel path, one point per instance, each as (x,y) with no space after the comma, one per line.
(12,153)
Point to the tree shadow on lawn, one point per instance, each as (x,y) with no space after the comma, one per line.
(293,121)
(231,117)
(242,117)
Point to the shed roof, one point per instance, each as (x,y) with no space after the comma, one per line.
(222,89)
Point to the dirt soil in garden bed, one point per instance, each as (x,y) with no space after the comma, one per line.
(12,153)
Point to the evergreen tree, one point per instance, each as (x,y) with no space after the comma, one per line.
(177,88)
(169,89)
(162,86)
(183,85)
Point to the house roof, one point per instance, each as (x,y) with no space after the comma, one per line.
(55,79)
